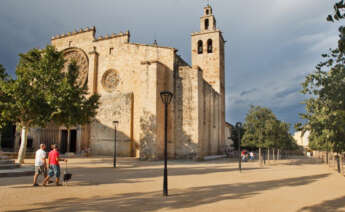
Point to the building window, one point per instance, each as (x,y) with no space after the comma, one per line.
(209,46)
(69,43)
(207,24)
(200,47)
(207,12)
(111,50)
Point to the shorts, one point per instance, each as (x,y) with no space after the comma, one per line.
(40,170)
(54,170)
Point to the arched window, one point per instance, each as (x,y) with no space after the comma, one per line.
(200,47)
(207,23)
(207,12)
(209,46)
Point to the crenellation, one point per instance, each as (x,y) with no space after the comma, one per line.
(113,35)
(75,32)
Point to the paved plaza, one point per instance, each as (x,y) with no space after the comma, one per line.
(288,185)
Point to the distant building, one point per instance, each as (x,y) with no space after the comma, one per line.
(229,143)
(302,141)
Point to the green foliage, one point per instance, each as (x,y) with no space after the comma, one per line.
(325,87)
(235,136)
(264,130)
(73,107)
(4,98)
(31,94)
(42,93)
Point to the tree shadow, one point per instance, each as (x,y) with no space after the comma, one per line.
(328,205)
(295,162)
(178,199)
(85,176)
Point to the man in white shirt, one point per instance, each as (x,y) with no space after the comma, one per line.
(40,163)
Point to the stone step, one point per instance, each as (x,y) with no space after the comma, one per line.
(214,157)
(3,157)
(6,161)
(9,166)
(14,155)
(24,171)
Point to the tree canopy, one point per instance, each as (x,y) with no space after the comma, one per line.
(42,93)
(264,130)
(325,88)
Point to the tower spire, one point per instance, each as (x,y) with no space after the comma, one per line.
(208,2)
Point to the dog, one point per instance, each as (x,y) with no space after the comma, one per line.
(67,177)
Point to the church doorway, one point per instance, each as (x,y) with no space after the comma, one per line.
(70,146)
(63,141)
(73,141)
(7,137)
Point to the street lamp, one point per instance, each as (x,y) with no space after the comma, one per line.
(239,126)
(166,99)
(115,128)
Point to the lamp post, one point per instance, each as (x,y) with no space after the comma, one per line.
(166,99)
(115,128)
(239,126)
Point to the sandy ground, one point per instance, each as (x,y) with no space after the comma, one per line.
(290,185)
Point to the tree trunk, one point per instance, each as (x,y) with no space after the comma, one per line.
(278,154)
(0,142)
(260,157)
(338,163)
(268,155)
(273,154)
(22,149)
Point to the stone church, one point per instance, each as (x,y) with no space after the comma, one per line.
(129,78)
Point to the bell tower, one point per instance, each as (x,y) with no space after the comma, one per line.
(208,50)
(208,54)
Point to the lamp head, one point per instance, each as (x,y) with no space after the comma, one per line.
(115,123)
(166,97)
(238,125)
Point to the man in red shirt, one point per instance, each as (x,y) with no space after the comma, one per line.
(54,166)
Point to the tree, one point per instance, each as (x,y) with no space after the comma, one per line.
(38,74)
(4,99)
(264,130)
(256,133)
(325,87)
(235,136)
(43,93)
(73,107)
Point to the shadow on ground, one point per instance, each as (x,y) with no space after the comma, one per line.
(178,198)
(329,205)
(85,176)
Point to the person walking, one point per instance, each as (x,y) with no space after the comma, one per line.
(40,163)
(54,166)
(251,154)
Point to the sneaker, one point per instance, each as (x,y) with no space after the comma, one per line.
(35,184)
(59,184)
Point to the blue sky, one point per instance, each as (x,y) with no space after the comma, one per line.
(271,44)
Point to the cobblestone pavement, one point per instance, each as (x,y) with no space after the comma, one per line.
(288,185)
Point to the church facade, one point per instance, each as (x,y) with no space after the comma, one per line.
(129,78)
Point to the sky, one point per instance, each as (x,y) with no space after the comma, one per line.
(271,44)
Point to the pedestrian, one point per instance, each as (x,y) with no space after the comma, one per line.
(54,166)
(251,154)
(40,163)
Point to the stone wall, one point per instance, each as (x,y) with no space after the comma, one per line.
(127,68)
(112,107)
(187,113)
